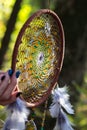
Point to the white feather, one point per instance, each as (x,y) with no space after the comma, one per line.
(61,96)
(63,124)
(17,116)
(54,110)
(61,100)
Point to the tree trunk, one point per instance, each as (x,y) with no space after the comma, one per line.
(10,27)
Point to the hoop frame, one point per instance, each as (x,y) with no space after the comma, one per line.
(62,48)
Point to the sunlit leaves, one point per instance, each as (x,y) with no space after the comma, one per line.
(5,11)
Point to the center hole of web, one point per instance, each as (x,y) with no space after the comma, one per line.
(40,58)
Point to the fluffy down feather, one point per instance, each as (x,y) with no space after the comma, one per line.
(62,122)
(61,100)
(60,96)
(17,115)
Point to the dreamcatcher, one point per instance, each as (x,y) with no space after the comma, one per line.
(38,54)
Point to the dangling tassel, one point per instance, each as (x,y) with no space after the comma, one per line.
(61,100)
(17,115)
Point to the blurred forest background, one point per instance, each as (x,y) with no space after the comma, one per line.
(73,14)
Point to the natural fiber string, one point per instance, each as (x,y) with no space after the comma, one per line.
(44,116)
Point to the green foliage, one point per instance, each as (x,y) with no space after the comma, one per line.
(5,11)
(2,116)
(80,118)
(2,113)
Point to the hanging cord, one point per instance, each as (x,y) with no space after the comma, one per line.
(44,115)
(48,4)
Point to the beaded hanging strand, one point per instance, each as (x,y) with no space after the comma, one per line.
(44,116)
